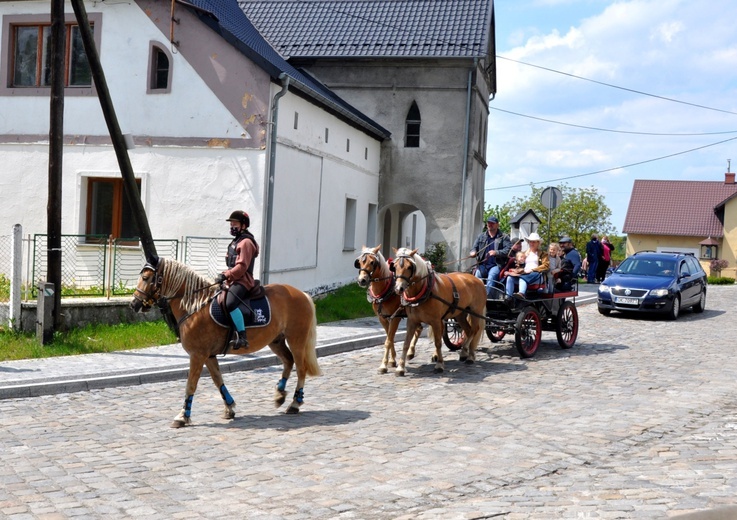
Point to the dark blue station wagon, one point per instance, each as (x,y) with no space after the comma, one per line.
(649,282)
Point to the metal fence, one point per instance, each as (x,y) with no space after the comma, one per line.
(97,265)
(205,255)
(128,260)
(82,264)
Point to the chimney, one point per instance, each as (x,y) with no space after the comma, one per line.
(729,178)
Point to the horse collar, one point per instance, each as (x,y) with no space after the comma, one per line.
(423,295)
(388,289)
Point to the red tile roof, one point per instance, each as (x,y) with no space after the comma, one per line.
(680,208)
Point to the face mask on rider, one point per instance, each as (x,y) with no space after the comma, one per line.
(235,230)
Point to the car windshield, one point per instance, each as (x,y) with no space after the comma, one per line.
(647,267)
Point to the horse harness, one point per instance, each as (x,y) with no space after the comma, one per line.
(386,293)
(427,292)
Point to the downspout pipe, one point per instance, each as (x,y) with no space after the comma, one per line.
(464,172)
(266,267)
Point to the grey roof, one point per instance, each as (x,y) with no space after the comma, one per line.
(373,28)
(228,20)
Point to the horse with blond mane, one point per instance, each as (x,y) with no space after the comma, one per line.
(291,331)
(432,298)
(375,275)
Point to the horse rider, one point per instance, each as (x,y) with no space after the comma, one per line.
(490,249)
(242,253)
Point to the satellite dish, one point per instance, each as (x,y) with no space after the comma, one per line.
(551,197)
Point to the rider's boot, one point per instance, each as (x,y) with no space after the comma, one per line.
(240,340)
(240,327)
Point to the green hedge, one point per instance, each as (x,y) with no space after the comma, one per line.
(720,280)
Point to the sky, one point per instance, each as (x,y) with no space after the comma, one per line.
(646,50)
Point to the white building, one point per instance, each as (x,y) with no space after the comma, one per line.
(202,98)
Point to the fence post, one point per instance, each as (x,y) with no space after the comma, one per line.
(16,277)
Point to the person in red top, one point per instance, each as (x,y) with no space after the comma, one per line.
(242,253)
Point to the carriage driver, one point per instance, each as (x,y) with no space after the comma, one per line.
(242,253)
(490,249)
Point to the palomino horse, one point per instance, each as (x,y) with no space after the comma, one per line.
(432,297)
(375,276)
(291,334)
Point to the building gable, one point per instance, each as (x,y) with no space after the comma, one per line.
(677,208)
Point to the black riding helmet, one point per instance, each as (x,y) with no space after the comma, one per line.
(240,216)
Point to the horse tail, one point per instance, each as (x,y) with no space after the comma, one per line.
(311,366)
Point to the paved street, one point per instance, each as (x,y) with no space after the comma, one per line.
(637,421)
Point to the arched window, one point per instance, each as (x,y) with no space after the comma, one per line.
(159,70)
(412,127)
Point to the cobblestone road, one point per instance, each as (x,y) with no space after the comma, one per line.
(638,420)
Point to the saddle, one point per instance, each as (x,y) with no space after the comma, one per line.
(256,309)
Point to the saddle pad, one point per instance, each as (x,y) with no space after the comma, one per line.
(260,317)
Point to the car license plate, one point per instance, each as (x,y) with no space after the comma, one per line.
(627,301)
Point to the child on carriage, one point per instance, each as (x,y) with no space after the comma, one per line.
(536,266)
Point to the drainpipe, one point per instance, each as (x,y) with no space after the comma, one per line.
(270,179)
(465,160)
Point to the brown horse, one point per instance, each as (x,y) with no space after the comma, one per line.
(432,297)
(291,334)
(376,277)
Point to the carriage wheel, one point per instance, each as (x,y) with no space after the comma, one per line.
(453,335)
(566,326)
(495,335)
(527,332)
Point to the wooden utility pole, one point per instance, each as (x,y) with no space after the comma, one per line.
(121,150)
(56,146)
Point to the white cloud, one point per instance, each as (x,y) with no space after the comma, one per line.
(672,48)
(666,31)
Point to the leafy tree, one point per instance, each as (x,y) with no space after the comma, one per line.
(581,213)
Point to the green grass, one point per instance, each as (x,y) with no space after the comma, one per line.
(346,303)
(87,340)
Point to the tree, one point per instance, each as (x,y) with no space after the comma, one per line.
(581,213)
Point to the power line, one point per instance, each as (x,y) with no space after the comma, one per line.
(607,129)
(616,86)
(611,169)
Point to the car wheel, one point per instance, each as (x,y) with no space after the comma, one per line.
(699,307)
(675,310)
(604,312)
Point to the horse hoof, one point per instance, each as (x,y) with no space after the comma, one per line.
(178,424)
(280,398)
(400,373)
(463,358)
(292,410)
(439,370)
(229,415)
(469,361)
(382,370)
(410,356)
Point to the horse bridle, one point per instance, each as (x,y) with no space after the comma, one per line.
(375,262)
(402,277)
(149,300)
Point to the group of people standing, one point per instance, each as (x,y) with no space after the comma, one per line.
(598,258)
(497,258)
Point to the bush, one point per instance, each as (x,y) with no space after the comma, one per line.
(718,265)
(4,288)
(720,280)
(436,255)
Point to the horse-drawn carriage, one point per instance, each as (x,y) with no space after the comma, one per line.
(457,308)
(525,318)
